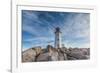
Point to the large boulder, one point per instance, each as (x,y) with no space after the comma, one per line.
(78,54)
(28,55)
(43,57)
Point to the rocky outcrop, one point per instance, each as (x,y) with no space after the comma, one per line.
(28,55)
(37,54)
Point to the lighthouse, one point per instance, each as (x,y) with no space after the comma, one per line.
(57,37)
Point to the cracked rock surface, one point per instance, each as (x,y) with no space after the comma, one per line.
(38,54)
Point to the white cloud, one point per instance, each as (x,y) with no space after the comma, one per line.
(75,26)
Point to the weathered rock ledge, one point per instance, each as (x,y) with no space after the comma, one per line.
(52,54)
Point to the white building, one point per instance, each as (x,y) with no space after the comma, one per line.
(57,38)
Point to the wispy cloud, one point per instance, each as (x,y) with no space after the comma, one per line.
(40,25)
(76,29)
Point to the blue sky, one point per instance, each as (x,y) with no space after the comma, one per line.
(38,28)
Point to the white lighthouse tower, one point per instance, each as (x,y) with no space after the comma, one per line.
(57,38)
